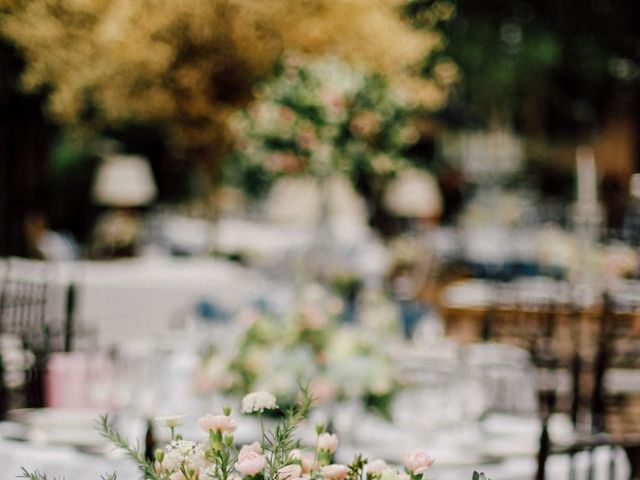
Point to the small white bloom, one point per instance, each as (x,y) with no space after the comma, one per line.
(258,402)
(181,453)
(170,421)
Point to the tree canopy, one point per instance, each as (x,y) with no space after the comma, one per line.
(187,64)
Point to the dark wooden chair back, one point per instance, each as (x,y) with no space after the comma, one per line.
(39,308)
(594,406)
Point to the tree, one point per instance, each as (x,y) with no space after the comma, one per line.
(553,69)
(189,63)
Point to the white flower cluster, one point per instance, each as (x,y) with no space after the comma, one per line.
(258,402)
(183,454)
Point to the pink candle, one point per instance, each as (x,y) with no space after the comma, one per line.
(66,380)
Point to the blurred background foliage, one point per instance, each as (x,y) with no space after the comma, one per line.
(557,72)
(552,69)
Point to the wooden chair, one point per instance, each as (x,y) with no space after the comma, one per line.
(592,405)
(39,309)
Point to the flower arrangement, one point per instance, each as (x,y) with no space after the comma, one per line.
(277,455)
(308,345)
(321,116)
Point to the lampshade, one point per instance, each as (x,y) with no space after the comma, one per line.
(124,181)
(415,194)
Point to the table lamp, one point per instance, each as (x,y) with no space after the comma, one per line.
(123,183)
(414,194)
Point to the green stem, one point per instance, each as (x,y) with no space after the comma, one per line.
(315,452)
(261,429)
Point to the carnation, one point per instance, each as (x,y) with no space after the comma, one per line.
(250,463)
(217,423)
(306,459)
(328,442)
(334,472)
(258,402)
(289,472)
(418,462)
(252,447)
(377,466)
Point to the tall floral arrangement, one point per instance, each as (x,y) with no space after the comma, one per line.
(187,64)
(317,116)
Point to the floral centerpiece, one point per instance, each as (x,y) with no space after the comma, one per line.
(308,345)
(322,116)
(276,455)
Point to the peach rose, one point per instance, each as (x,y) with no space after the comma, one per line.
(252,447)
(334,472)
(306,459)
(418,462)
(250,463)
(217,423)
(289,472)
(377,466)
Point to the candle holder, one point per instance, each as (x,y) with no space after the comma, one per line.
(587,220)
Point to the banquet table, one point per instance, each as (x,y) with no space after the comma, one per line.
(503,447)
(125,298)
(132,298)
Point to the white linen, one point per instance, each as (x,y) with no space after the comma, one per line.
(125,299)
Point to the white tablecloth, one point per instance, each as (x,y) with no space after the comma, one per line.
(59,462)
(125,299)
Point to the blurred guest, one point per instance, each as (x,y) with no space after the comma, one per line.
(47,244)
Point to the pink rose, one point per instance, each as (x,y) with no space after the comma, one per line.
(334,471)
(286,114)
(328,442)
(283,162)
(307,139)
(306,459)
(289,472)
(250,463)
(253,447)
(217,423)
(333,99)
(365,124)
(377,466)
(418,462)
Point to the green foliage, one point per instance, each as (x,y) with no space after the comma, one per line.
(356,468)
(549,68)
(36,475)
(118,441)
(220,453)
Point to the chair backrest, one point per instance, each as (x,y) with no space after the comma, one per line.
(38,307)
(605,373)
